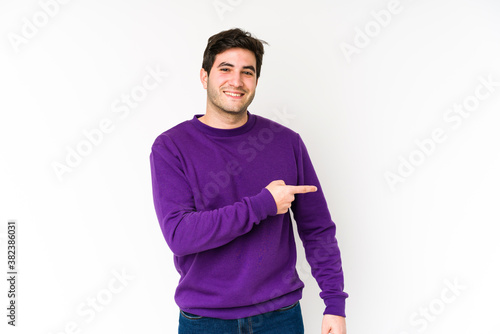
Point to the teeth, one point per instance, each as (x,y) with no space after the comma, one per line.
(232,94)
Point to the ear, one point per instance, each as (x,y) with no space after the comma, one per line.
(204,78)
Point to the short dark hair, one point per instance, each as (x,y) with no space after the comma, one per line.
(232,38)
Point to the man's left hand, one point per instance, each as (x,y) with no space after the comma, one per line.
(333,324)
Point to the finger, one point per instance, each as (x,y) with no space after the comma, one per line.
(303,189)
(326,330)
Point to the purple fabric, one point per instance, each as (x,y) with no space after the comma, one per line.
(236,257)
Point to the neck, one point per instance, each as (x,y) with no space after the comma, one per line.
(224,120)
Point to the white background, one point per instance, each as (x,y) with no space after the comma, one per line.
(359,115)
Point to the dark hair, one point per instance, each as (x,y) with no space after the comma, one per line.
(232,38)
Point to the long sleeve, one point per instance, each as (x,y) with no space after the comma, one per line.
(318,234)
(187,230)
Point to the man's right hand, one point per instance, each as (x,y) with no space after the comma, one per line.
(284,195)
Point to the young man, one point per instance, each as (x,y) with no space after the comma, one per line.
(223,184)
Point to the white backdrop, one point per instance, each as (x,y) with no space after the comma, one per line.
(397,102)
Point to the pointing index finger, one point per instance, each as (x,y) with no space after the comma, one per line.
(303,189)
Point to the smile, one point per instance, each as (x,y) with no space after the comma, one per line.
(234,94)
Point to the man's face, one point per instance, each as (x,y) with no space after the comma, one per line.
(232,81)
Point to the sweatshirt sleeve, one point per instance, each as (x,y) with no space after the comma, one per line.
(186,230)
(318,234)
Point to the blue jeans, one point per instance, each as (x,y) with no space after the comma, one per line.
(285,320)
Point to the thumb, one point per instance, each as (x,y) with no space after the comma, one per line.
(326,328)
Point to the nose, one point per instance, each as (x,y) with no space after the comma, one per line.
(235,80)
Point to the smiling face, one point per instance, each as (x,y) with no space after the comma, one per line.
(232,81)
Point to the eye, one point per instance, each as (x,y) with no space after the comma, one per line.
(248,73)
(224,69)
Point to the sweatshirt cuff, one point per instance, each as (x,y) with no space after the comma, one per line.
(264,204)
(335,306)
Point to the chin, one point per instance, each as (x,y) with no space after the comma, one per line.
(236,111)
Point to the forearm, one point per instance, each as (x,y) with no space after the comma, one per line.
(323,255)
(188,232)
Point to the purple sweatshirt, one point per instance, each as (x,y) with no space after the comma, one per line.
(236,257)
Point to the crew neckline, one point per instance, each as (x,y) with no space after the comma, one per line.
(224,132)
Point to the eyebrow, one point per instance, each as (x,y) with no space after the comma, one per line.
(249,67)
